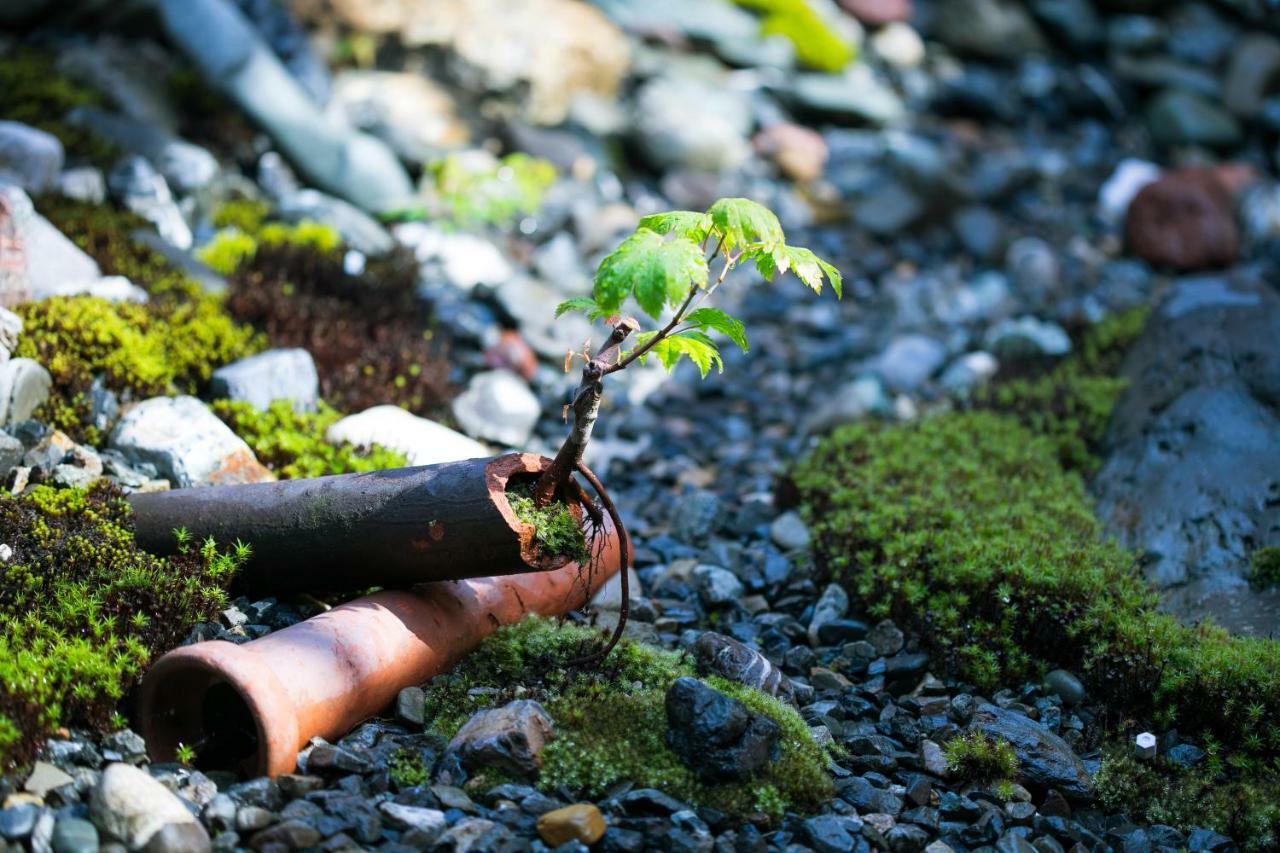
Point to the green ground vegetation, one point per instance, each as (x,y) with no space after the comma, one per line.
(968,527)
(83,609)
(818,45)
(974,756)
(475,195)
(33,92)
(611,721)
(558,533)
(293,445)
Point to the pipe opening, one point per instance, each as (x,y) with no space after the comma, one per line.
(198,709)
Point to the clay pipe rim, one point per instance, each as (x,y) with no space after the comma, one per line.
(498,475)
(206,665)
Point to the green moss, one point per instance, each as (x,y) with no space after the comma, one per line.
(476,196)
(247,215)
(83,609)
(293,443)
(976,757)
(139,350)
(611,722)
(557,532)
(1265,563)
(33,92)
(1162,792)
(232,247)
(408,770)
(817,43)
(1072,403)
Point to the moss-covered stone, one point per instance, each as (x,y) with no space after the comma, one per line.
(968,527)
(1163,792)
(977,757)
(293,445)
(83,609)
(611,721)
(1265,565)
(33,92)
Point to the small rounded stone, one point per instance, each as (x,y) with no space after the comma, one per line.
(580,822)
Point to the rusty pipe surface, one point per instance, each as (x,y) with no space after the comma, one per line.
(252,707)
(392,528)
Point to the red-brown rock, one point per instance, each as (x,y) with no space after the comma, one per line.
(1184,221)
(513,353)
(877,13)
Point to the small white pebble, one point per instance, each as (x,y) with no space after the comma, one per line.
(353,262)
(1144,746)
(6,553)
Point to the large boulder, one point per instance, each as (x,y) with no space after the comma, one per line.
(186,443)
(26,236)
(1192,470)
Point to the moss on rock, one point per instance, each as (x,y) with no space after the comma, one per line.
(817,43)
(473,195)
(33,92)
(611,722)
(83,609)
(293,445)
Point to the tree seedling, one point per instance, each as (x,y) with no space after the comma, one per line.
(670,267)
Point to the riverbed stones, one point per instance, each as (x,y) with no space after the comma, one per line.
(187,443)
(511,738)
(131,807)
(1044,758)
(715,735)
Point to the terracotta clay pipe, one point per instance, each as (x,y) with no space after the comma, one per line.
(251,707)
(391,528)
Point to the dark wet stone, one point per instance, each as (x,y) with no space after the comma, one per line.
(867,798)
(1046,760)
(715,735)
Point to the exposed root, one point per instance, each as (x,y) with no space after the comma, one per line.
(624,543)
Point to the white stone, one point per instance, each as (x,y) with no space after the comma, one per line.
(188,444)
(84,183)
(464,260)
(1130,176)
(130,806)
(789,532)
(899,45)
(24,385)
(422,441)
(6,552)
(113,288)
(1144,746)
(431,821)
(833,605)
(50,258)
(278,374)
(968,372)
(497,406)
(716,585)
(1027,337)
(31,157)
(10,331)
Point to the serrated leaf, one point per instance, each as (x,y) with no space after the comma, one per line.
(696,346)
(657,270)
(713,319)
(686,223)
(743,222)
(638,340)
(584,304)
(810,269)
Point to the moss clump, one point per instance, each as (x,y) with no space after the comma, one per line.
(83,610)
(475,194)
(1265,563)
(976,757)
(138,350)
(33,92)
(611,722)
(1072,403)
(1163,792)
(407,769)
(368,334)
(558,533)
(232,247)
(966,526)
(247,215)
(293,445)
(817,44)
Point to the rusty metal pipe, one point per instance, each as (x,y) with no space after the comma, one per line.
(391,528)
(251,707)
